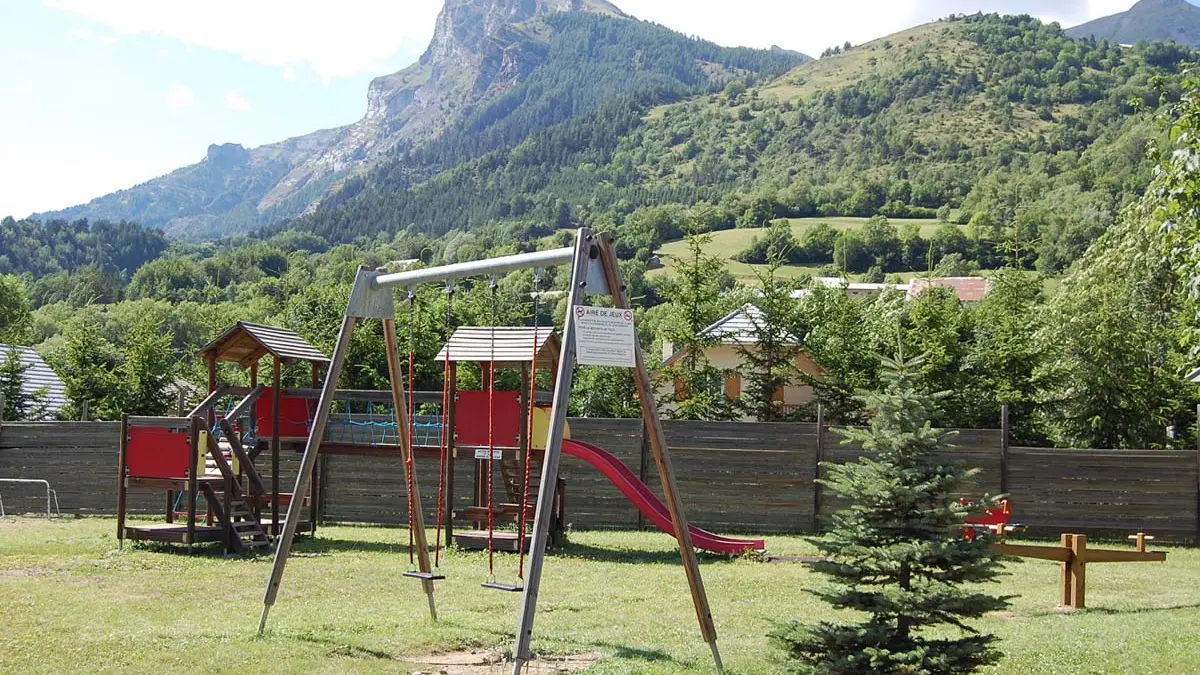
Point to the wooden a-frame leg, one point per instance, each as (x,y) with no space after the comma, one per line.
(662,458)
(399,401)
(312,449)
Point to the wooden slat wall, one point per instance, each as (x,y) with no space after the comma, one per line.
(972,448)
(1116,491)
(734,477)
(78,458)
(743,477)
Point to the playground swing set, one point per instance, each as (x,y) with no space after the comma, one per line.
(594,271)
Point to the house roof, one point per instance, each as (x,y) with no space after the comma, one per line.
(39,377)
(1194,376)
(968,289)
(839,282)
(512,345)
(738,328)
(245,343)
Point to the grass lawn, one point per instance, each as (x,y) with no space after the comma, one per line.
(728,243)
(72,603)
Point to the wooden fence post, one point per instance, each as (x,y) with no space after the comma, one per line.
(1004,436)
(818,457)
(1197,471)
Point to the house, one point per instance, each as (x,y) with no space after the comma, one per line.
(968,289)
(733,332)
(1194,376)
(39,377)
(858,289)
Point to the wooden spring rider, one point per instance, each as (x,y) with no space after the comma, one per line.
(591,335)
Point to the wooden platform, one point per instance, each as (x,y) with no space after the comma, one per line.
(477,540)
(176,533)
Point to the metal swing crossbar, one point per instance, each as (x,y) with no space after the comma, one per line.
(594,271)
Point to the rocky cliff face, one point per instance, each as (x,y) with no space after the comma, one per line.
(480,49)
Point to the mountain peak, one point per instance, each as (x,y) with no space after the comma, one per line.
(468,24)
(1150,20)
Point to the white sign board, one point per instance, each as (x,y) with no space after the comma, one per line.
(482,453)
(604,336)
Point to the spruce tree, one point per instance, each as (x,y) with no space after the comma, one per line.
(897,552)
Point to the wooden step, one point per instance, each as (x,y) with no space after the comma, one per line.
(477,540)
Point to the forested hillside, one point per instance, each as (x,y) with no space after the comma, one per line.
(1024,128)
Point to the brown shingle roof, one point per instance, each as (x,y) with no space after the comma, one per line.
(245,343)
(513,345)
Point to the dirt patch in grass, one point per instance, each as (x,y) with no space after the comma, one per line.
(490,663)
(31,572)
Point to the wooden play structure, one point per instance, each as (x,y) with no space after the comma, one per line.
(502,426)
(1072,553)
(212,453)
(594,271)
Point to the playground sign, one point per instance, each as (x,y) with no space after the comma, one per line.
(604,336)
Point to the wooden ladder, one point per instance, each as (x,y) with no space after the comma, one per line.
(243,520)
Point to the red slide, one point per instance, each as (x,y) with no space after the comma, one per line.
(649,504)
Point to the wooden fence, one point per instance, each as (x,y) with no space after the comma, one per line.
(733,476)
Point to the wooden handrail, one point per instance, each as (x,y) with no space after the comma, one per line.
(243,406)
(365,395)
(160,422)
(210,401)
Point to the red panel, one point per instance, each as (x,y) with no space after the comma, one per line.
(471,419)
(158,453)
(295,415)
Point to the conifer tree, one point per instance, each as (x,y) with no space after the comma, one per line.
(897,552)
(769,355)
(693,385)
(20,403)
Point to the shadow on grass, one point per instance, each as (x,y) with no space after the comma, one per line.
(342,649)
(1110,611)
(322,544)
(630,556)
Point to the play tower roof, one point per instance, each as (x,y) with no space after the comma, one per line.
(513,345)
(245,343)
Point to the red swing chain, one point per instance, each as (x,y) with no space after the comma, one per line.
(446,431)
(492,438)
(533,371)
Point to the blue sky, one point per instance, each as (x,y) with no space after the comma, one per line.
(100,95)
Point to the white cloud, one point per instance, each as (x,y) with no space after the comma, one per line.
(235,101)
(359,35)
(355,36)
(180,96)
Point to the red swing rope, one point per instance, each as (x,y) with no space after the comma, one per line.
(447,432)
(492,438)
(533,371)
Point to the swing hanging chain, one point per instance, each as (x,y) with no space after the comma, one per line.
(444,444)
(491,503)
(531,403)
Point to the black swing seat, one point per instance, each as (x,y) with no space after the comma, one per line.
(502,587)
(425,576)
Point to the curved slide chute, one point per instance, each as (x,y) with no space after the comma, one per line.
(649,504)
